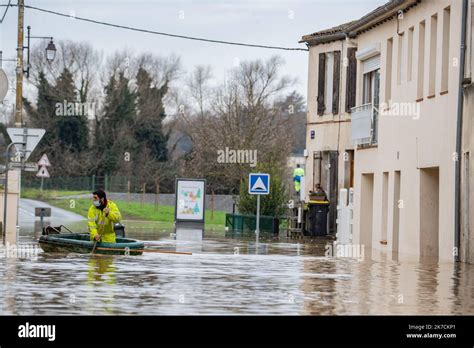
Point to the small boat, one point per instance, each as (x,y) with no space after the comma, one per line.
(81,243)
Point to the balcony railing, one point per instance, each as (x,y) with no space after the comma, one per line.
(364,124)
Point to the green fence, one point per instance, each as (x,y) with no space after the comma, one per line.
(109,183)
(248,223)
(86,183)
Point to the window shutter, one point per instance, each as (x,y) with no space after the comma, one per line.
(335,85)
(351,76)
(371,64)
(321,83)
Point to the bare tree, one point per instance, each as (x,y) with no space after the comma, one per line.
(241,116)
(162,70)
(198,85)
(79,58)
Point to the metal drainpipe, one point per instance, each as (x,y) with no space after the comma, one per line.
(457,185)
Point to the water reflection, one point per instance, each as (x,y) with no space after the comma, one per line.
(101,270)
(319,291)
(10,297)
(189,239)
(100,279)
(230,275)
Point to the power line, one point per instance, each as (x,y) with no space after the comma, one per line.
(6,10)
(161,33)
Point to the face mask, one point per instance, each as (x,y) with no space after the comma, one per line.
(96,203)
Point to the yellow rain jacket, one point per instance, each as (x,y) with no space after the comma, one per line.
(298,173)
(96,218)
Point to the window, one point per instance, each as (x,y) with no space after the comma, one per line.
(388,70)
(445,50)
(367,88)
(371,95)
(400,58)
(328,82)
(336,72)
(421,61)
(433,43)
(371,88)
(410,54)
(321,83)
(351,76)
(364,116)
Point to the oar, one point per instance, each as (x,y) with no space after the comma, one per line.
(94,247)
(101,227)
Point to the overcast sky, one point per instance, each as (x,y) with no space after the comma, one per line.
(266,22)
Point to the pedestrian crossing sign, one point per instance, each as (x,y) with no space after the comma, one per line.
(259,184)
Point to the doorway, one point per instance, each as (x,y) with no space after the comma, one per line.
(429,212)
(366,210)
(397,204)
(383,234)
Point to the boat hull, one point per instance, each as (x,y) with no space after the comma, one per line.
(80,243)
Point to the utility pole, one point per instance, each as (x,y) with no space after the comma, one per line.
(19,66)
(18,111)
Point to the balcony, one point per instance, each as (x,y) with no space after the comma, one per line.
(364,125)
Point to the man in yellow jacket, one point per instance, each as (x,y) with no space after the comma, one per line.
(102,215)
(298,173)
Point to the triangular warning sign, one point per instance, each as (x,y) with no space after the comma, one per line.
(259,185)
(42,173)
(32,136)
(44,161)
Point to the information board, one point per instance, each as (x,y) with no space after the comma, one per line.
(190,200)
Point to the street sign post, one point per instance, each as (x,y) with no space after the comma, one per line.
(42,212)
(5,190)
(43,172)
(27,167)
(259,184)
(25,140)
(44,161)
(29,136)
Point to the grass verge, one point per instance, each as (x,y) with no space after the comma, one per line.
(129,210)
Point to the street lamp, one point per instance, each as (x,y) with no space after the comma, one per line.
(50,49)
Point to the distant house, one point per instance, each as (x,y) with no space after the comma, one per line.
(382,118)
(331,96)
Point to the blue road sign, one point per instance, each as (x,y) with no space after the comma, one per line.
(259,184)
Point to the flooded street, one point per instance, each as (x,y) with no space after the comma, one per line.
(228,276)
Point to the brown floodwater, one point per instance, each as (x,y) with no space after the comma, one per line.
(228,275)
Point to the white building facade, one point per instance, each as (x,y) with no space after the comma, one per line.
(401,125)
